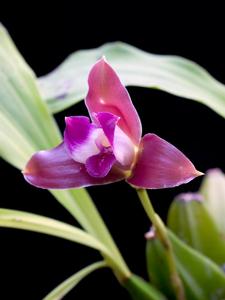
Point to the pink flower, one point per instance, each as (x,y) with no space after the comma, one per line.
(109,147)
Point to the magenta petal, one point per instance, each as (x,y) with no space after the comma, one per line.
(122,146)
(54,169)
(161,165)
(107,94)
(108,122)
(100,164)
(80,138)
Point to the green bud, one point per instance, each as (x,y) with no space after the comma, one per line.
(157,266)
(201,277)
(189,219)
(213,191)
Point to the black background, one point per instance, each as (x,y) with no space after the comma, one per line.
(33,264)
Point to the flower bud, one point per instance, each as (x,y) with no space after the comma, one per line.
(189,219)
(201,277)
(213,190)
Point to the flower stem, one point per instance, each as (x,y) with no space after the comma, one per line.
(162,234)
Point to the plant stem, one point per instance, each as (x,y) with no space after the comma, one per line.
(162,234)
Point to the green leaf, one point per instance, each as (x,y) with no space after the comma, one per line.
(27,221)
(66,286)
(26,126)
(25,122)
(80,205)
(189,219)
(213,191)
(139,289)
(202,278)
(67,84)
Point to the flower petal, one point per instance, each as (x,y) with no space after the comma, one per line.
(80,138)
(100,164)
(161,165)
(107,122)
(54,169)
(107,94)
(123,148)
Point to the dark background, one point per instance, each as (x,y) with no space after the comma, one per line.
(33,264)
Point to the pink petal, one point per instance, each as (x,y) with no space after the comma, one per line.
(100,164)
(80,138)
(54,169)
(107,122)
(161,165)
(123,148)
(107,94)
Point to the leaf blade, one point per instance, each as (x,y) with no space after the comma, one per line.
(80,205)
(66,286)
(23,114)
(26,126)
(32,222)
(139,289)
(67,85)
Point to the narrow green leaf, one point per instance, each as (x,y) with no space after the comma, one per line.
(27,221)
(25,122)
(139,289)
(66,286)
(68,83)
(80,205)
(213,191)
(202,278)
(189,219)
(26,126)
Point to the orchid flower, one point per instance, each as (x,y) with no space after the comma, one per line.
(108,147)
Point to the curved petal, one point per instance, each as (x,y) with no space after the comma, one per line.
(80,138)
(161,165)
(123,148)
(100,164)
(107,94)
(54,169)
(108,123)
